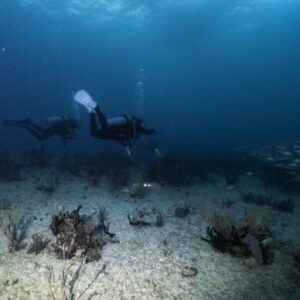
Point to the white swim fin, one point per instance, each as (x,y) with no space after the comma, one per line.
(86,100)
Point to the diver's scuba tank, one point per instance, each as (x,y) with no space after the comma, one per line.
(117,121)
(52,121)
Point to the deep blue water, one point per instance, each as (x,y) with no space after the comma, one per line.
(217,73)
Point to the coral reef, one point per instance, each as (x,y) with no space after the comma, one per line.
(75,236)
(38,244)
(243,238)
(14,229)
(260,199)
(182,211)
(102,221)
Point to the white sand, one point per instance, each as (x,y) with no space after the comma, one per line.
(142,266)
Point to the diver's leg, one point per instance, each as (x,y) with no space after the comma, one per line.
(39,132)
(94,131)
(102,119)
(93,124)
(33,126)
(9,123)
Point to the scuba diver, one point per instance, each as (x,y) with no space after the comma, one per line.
(125,129)
(66,127)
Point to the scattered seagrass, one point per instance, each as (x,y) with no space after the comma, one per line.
(36,158)
(170,171)
(4,204)
(160,220)
(261,199)
(9,169)
(138,190)
(38,244)
(68,289)
(14,228)
(49,186)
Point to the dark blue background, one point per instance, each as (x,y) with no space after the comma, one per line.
(218,73)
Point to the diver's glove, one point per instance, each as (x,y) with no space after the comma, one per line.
(152,131)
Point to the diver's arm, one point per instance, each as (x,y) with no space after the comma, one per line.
(148,131)
(144,130)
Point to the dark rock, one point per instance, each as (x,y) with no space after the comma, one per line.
(74,234)
(188,271)
(182,212)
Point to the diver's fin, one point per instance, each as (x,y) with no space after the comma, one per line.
(86,100)
(15,122)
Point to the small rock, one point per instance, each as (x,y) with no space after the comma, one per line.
(188,271)
(270,158)
(125,191)
(267,242)
(287,153)
(182,212)
(231,187)
(14,281)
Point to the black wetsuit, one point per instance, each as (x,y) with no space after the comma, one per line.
(65,127)
(123,128)
(60,128)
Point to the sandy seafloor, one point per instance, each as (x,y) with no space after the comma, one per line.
(142,265)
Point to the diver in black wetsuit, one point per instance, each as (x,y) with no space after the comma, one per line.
(125,129)
(65,127)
